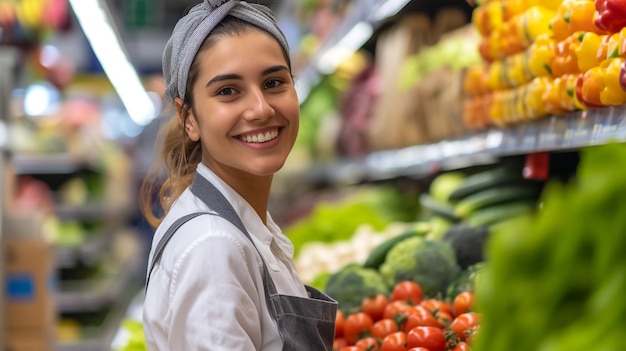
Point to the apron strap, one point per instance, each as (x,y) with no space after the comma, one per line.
(166,238)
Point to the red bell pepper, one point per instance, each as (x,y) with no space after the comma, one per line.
(611,15)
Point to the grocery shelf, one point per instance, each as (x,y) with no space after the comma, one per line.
(89,253)
(120,269)
(49,163)
(551,134)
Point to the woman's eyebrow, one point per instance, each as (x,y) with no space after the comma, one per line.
(223,77)
(233,76)
(274,69)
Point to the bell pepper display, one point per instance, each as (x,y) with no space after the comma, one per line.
(591,51)
(574,16)
(559,96)
(540,55)
(611,15)
(565,60)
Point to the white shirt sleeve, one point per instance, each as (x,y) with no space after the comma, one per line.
(214,302)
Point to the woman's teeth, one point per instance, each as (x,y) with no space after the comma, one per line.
(260,138)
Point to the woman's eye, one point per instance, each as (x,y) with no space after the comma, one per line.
(226,91)
(272,83)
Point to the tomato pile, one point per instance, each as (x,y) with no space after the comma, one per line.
(406,321)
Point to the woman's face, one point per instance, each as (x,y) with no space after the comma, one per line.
(246,111)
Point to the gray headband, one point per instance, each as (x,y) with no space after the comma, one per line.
(193,28)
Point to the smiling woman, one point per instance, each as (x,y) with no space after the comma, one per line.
(221,273)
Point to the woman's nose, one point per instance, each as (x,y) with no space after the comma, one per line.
(258,107)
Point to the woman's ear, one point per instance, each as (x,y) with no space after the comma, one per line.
(187,120)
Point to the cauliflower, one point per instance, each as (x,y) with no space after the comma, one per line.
(351,284)
(430,263)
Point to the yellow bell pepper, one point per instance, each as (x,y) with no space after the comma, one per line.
(612,92)
(516,69)
(587,53)
(533,97)
(565,60)
(616,44)
(496,112)
(532,23)
(573,16)
(540,55)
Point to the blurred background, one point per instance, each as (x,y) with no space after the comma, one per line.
(408,108)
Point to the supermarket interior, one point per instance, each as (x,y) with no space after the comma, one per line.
(474,148)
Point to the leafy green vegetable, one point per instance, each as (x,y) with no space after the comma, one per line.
(351,284)
(430,263)
(559,278)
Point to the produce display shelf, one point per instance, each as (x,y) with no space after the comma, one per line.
(48,163)
(120,270)
(88,253)
(551,134)
(100,337)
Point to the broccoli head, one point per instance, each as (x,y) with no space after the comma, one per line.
(351,284)
(430,263)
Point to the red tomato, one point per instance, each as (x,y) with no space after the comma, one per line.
(465,324)
(339,343)
(352,348)
(431,338)
(409,291)
(369,344)
(375,306)
(357,326)
(419,316)
(444,318)
(463,302)
(384,327)
(460,346)
(396,308)
(418,349)
(339,323)
(435,306)
(394,342)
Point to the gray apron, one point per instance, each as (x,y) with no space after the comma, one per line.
(303,323)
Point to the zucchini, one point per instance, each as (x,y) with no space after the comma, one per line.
(494,214)
(379,253)
(438,208)
(495,196)
(485,180)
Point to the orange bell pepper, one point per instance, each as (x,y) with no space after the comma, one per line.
(588,87)
(553,95)
(612,92)
(540,54)
(573,16)
(565,60)
(588,53)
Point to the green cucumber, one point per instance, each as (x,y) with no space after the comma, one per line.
(491,215)
(494,196)
(438,208)
(379,253)
(485,180)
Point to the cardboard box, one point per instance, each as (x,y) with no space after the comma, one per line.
(27,340)
(29,284)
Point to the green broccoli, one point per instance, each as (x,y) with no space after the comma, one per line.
(430,263)
(351,284)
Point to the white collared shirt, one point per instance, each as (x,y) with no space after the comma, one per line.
(206,292)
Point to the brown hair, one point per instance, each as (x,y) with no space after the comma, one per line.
(174,169)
